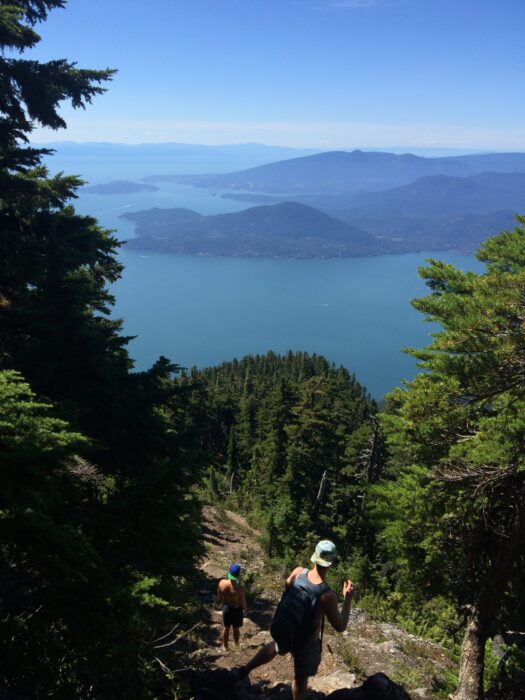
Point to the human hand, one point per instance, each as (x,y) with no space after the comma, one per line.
(348,588)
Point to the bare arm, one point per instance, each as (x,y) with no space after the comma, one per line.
(291,578)
(339,619)
(219,593)
(243,602)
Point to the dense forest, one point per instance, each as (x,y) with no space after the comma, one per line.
(294,440)
(105,468)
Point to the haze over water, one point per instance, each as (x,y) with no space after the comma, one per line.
(202,310)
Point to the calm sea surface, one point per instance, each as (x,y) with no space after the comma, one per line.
(201,310)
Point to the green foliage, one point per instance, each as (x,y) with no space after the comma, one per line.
(252,584)
(444,682)
(512,680)
(405,674)
(99,524)
(449,513)
(352,662)
(490,675)
(77,602)
(281,428)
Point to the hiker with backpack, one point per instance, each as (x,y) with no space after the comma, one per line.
(298,622)
(231,593)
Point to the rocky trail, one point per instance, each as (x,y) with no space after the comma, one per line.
(369,660)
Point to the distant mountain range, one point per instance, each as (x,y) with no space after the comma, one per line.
(96,148)
(281,230)
(436,212)
(343,172)
(432,196)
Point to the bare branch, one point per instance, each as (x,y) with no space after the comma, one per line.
(177,639)
(164,636)
(84,470)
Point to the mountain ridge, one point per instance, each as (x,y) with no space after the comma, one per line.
(342,171)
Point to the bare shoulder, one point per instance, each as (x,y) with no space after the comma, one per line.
(223,583)
(295,573)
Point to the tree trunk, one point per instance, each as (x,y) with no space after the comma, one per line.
(471,664)
(483,613)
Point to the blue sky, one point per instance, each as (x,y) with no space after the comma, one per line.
(312,73)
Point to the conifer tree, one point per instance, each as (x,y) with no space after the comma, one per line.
(54,264)
(455,518)
(97,516)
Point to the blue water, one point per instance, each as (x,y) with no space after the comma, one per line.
(202,310)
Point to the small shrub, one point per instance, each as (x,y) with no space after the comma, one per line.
(490,673)
(444,683)
(352,661)
(252,583)
(405,675)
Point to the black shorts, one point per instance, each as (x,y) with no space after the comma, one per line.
(232,616)
(307,658)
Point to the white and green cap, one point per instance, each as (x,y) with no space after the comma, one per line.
(325,553)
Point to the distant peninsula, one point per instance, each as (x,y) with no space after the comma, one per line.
(334,172)
(120,187)
(286,230)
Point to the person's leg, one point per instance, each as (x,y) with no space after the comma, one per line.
(236,631)
(306,661)
(263,656)
(225,636)
(299,686)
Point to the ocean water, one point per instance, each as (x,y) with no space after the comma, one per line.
(200,310)
(203,310)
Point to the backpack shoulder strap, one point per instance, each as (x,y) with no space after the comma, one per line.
(324,587)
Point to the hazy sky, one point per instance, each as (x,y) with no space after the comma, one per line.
(316,73)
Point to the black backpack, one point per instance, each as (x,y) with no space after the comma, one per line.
(292,622)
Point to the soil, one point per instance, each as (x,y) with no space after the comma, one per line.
(399,664)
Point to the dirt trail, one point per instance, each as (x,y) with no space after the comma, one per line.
(366,648)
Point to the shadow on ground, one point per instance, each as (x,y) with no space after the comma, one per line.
(219,685)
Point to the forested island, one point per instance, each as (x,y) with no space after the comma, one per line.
(105,470)
(287,230)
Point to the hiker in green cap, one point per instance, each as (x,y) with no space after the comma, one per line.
(231,593)
(298,621)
